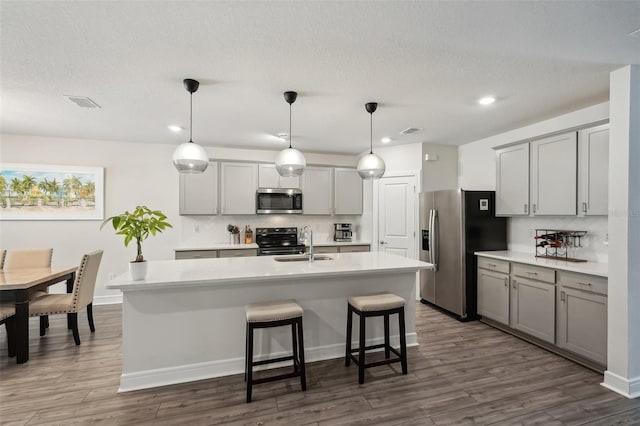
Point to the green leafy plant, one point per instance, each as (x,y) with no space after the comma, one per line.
(138,225)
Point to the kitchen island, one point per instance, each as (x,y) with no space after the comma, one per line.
(186,320)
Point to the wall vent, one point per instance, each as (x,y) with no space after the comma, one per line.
(410,131)
(82,101)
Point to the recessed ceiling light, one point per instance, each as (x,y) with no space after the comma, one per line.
(175,128)
(386,139)
(487,100)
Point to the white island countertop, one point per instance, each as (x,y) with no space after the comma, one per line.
(225,271)
(589,268)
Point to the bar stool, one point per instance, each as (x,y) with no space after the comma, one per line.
(275,314)
(375,305)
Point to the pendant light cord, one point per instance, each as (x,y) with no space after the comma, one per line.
(371,134)
(191,117)
(289,126)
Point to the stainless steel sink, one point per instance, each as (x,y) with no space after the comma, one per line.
(303,258)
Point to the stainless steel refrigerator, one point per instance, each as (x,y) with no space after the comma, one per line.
(453,225)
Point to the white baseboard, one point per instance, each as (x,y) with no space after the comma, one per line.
(208,370)
(107,300)
(629,388)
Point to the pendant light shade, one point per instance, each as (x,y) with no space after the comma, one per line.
(290,162)
(190,157)
(371,166)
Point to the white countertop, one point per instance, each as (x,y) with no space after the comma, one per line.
(225,271)
(226,246)
(590,268)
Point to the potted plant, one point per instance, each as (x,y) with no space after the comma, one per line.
(138,225)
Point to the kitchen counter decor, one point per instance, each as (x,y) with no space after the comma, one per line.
(556,244)
(234,234)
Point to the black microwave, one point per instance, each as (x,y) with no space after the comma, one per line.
(278,201)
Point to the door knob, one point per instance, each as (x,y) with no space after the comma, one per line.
(383,242)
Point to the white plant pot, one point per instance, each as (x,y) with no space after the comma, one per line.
(138,270)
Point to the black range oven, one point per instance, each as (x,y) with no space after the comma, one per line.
(278,241)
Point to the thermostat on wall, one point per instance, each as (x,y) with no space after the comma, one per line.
(484,204)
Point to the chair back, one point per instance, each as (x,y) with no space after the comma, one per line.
(85,283)
(27,258)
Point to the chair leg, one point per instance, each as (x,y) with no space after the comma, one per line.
(347,357)
(10,325)
(246,352)
(92,327)
(249,362)
(47,320)
(74,327)
(69,326)
(361,361)
(294,344)
(403,341)
(387,352)
(303,370)
(43,325)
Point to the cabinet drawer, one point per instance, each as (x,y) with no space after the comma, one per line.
(196,254)
(325,249)
(493,264)
(583,282)
(534,272)
(353,249)
(238,253)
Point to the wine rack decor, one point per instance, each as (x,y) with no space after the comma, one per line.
(558,244)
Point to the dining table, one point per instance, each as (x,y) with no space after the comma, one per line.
(22,284)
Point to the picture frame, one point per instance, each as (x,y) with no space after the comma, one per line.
(51,192)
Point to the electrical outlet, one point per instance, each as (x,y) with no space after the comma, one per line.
(111,275)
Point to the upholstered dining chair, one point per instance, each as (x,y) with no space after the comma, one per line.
(13,259)
(7,312)
(70,303)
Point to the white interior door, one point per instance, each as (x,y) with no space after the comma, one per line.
(396,215)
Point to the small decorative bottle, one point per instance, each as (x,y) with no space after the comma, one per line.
(248,235)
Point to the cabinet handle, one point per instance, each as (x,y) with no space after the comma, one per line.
(532,273)
(584,283)
(493,265)
(562,296)
(526,208)
(515,285)
(506,281)
(584,207)
(534,208)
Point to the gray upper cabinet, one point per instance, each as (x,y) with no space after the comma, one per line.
(268,177)
(199,192)
(348,191)
(317,190)
(554,175)
(512,181)
(593,166)
(238,185)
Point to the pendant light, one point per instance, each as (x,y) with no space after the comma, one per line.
(190,157)
(371,166)
(290,162)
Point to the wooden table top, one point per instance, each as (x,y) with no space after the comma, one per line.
(26,278)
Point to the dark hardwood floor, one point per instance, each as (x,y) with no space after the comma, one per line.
(462,373)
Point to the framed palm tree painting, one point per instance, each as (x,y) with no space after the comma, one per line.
(48,192)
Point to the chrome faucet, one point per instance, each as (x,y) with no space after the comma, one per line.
(308,232)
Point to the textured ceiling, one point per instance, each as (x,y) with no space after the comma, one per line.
(426,63)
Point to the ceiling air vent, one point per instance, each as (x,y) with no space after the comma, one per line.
(410,131)
(82,101)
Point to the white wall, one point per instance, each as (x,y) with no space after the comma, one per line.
(477,171)
(441,173)
(135,174)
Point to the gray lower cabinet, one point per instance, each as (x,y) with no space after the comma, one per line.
(493,295)
(325,249)
(196,254)
(533,308)
(238,253)
(353,249)
(582,321)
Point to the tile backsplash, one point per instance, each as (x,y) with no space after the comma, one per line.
(213,229)
(521,231)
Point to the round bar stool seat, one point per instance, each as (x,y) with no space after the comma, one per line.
(275,314)
(374,305)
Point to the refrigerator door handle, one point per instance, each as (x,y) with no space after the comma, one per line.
(434,238)
(431,236)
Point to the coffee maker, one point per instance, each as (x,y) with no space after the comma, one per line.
(342,232)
